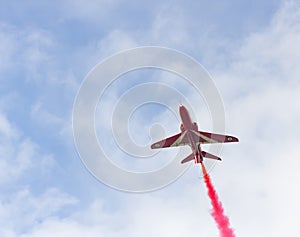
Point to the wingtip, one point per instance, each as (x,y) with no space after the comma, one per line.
(155,146)
(235,139)
(232,139)
(152,146)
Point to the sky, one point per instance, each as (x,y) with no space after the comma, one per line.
(250,49)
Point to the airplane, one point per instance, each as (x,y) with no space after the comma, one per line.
(190,136)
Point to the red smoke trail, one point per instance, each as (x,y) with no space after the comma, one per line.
(217,211)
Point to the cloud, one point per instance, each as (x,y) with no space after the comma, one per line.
(259,82)
(139,216)
(19,155)
(7,47)
(116,41)
(27,50)
(44,117)
(22,162)
(92,12)
(260,87)
(24,210)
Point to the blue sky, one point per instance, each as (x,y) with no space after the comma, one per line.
(251,49)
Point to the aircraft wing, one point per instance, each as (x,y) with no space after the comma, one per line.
(176,140)
(206,137)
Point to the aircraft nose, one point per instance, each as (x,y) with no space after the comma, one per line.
(181,109)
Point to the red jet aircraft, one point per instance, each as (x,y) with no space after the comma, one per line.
(191,136)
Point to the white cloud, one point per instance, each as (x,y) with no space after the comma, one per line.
(261,95)
(6,129)
(261,91)
(257,180)
(94,11)
(26,49)
(168,30)
(8,47)
(18,155)
(146,215)
(114,42)
(21,160)
(44,117)
(23,210)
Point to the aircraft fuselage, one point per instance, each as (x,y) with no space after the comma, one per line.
(188,126)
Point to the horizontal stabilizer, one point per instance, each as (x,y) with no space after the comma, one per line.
(210,156)
(189,158)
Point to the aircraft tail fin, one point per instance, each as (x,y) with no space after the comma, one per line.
(210,156)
